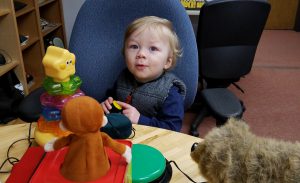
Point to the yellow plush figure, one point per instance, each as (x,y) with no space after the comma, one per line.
(59,64)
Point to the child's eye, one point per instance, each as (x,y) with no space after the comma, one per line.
(153,48)
(133,46)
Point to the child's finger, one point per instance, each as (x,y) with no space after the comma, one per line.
(124,105)
(104,108)
(110,100)
(107,104)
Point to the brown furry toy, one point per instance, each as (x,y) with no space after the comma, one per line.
(86,159)
(232,154)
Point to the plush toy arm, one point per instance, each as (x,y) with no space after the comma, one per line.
(114,145)
(57,143)
(117,147)
(62,142)
(49,146)
(127,154)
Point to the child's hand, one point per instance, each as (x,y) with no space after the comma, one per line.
(130,112)
(106,105)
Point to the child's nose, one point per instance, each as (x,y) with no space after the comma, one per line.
(141,53)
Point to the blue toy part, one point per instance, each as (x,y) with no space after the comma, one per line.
(51,113)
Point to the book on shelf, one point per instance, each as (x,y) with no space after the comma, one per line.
(192,4)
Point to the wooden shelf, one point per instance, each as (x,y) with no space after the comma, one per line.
(4,12)
(7,67)
(27,58)
(24,10)
(48,29)
(36,83)
(45,2)
(10,44)
(30,42)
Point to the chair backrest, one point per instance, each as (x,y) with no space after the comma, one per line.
(228,35)
(97,39)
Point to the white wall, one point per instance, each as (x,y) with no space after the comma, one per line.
(70,9)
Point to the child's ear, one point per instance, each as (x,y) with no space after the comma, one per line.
(168,64)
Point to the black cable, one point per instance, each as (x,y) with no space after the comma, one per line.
(9,148)
(238,87)
(183,172)
(16,160)
(131,136)
(29,134)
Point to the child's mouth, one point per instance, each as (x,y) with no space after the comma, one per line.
(140,66)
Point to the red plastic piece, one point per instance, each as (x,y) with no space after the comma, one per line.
(48,170)
(25,168)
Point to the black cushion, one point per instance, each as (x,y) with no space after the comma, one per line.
(30,108)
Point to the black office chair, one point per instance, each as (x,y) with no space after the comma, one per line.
(227,38)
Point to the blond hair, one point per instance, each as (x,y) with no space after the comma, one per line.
(156,23)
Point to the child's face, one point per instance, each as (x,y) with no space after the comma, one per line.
(147,54)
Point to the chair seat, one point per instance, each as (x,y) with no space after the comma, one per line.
(222,103)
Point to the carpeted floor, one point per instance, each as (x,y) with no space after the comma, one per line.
(272,89)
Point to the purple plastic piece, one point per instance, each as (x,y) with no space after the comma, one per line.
(58,101)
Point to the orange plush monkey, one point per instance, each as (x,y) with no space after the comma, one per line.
(86,159)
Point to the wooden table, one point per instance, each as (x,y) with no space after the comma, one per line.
(174,146)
